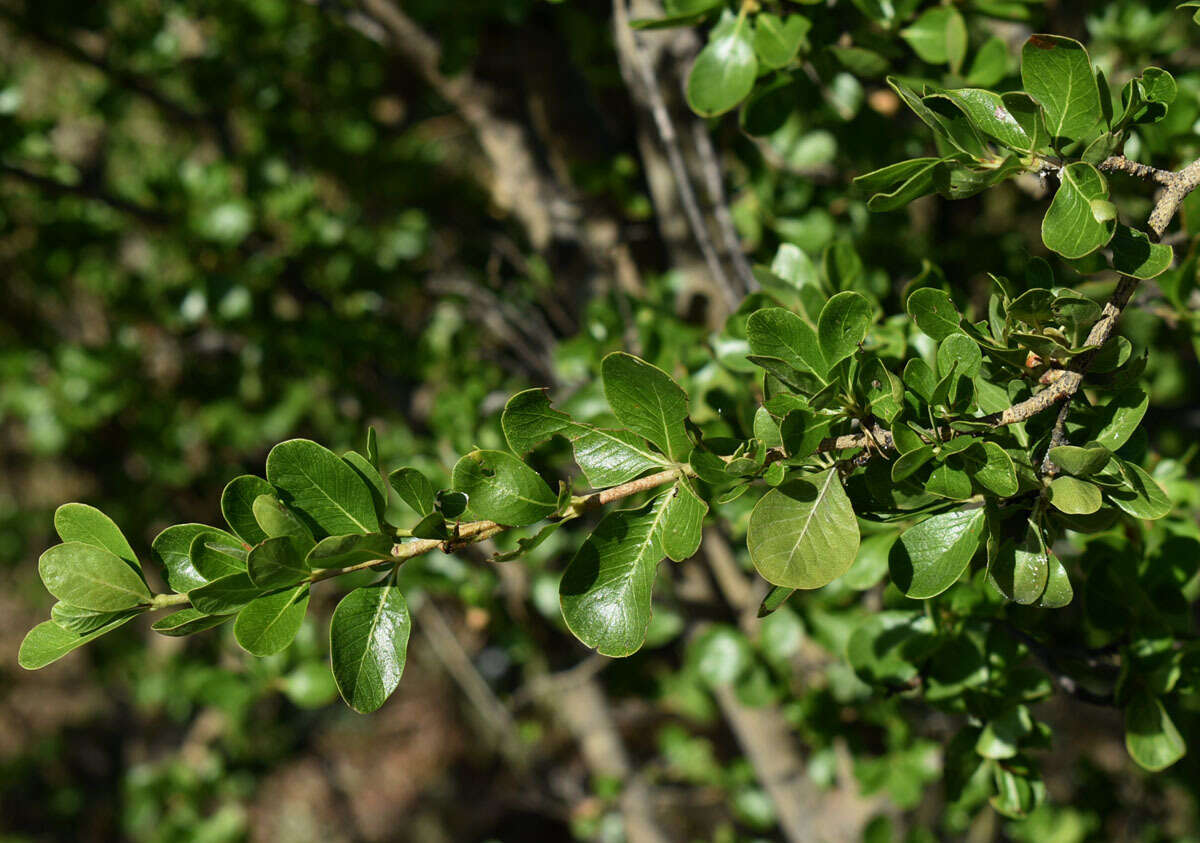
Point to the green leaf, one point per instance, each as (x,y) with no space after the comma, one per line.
(371,476)
(325,492)
(84,621)
(606,457)
(78,522)
(267,624)
(187,621)
(776,597)
(1019,569)
(990,64)
(1074,496)
(776,332)
(1134,254)
(368,645)
(871,561)
(1120,417)
(1080,461)
(1058,591)
(989,114)
(339,551)
(959,353)
(895,185)
(938,36)
(214,556)
(605,591)
(414,489)
(1150,735)
(1143,497)
(1002,735)
(1057,72)
(949,480)
(934,313)
(683,522)
(648,402)
(224,596)
(843,325)
(277,520)
(804,533)
(776,40)
(724,72)
(1071,226)
(172,550)
(932,555)
(909,462)
(278,563)
(48,642)
(90,577)
(237,505)
(501,488)
(992,468)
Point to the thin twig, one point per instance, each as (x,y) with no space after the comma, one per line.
(716,195)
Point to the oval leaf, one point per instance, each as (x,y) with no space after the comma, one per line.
(323,490)
(932,555)
(368,644)
(90,577)
(501,488)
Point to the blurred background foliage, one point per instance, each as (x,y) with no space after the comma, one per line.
(226,224)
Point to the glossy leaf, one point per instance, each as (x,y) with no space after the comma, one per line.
(325,492)
(648,402)
(776,332)
(1072,227)
(683,522)
(78,522)
(90,577)
(224,596)
(1134,254)
(237,506)
(501,488)
(932,555)
(267,624)
(368,645)
(606,589)
(277,563)
(1057,72)
(803,534)
(843,325)
(186,622)
(414,489)
(1074,496)
(934,313)
(1151,736)
(172,550)
(48,642)
(339,551)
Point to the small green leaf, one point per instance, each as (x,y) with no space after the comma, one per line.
(501,488)
(277,563)
(1070,226)
(682,522)
(237,505)
(325,492)
(1150,735)
(934,313)
(992,468)
(371,476)
(368,645)
(214,556)
(1074,496)
(1134,254)
(776,332)
(1080,461)
(932,555)
(172,550)
(1020,569)
(776,40)
(414,489)
(1058,591)
(78,522)
(187,621)
(648,402)
(267,624)
(339,551)
(909,462)
(724,72)
(606,457)
(938,36)
(804,533)
(90,577)
(278,520)
(1057,72)
(1142,497)
(1120,417)
(48,642)
(84,621)
(605,591)
(888,647)
(959,353)
(843,325)
(990,64)
(1002,735)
